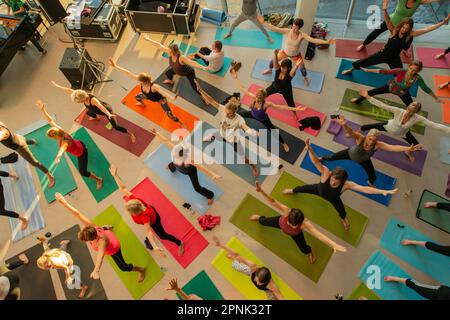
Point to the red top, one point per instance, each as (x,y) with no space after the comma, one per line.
(286,228)
(75,147)
(113,243)
(149,215)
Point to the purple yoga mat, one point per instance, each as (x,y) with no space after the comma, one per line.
(396,159)
(334,128)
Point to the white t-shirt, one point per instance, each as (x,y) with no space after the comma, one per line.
(216,60)
(229,128)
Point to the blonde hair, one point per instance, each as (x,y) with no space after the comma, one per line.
(42,262)
(144,77)
(79,96)
(135,206)
(232,105)
(416,105)
(374,132)
(56,133)
(261,95)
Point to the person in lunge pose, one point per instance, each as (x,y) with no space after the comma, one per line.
(428,292)
(8,213)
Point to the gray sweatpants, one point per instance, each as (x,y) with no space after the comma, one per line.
(243,17)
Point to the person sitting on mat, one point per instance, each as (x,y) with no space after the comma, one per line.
(213,57)
(95,108)
(146,215)
(173,285)
(260,276)
(249,12)
(101,240)
(68,144)
(7,213)
(292,222)
(428,292)
(9,280)
(400,85)
(183,162)
(332,184)
(60,259)
(291,47)
(365,148)
(150,91)
(400,39)
(259,107)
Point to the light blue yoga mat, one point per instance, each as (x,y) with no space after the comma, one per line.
(356,174)
(249,38)
(445,147)
(21,197)
(213,16)
(315,78)
(386,290)
(186,50)
(157,162)
(429,262)
(368,78)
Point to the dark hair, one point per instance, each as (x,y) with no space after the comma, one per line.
(418,64)
(339,174)
(296,217)
(286,63)
(218,45)
(299,23)
(88,234)
(263,275)
(401,24)
(174,48)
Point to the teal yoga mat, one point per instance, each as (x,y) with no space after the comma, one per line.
(249,38)
(429,262)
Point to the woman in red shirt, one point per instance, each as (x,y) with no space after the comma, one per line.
(67,143)
(146,215)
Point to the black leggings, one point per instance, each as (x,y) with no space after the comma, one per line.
(111,120)
(3,211)
(406,98)
(159,230)
(206,52)
(299,239)
(25,153)
(443,206)
(287,94)
(267,123)
(394,62)
(83,162)
(367,165)
(447,51)
(375,33)
(164,105)
(191,77)
(445,250)
(191,172)
(120,261)
(302,68)
(380,126)
(428,292)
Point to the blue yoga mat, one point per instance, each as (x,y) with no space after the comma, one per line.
(21,197)
(445,147)
(356,174)
(429,262)
(157,162)
(213,16)
(367,78)
(186,50)
(387,290)
(250,38)
(315,78)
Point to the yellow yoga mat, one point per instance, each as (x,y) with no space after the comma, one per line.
(242,282)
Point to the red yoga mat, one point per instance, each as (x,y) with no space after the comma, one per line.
(438,80)
(286,116)
(173,222)
(143,137)
(347,49)
(426,55)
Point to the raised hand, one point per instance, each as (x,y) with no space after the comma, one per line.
(416,147)
(174,285)
(59,197)
(339,248)
(388,192)
(112,63)
(40,104)
(385,4)
(308,144)
(260,18)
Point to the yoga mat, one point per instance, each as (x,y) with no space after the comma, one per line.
(396,159)
(213,16)
(446,112)
(46,152)
(173,222)
(97,164)
(249,38)
(279,243)
(187,50)
(286,116)
(436,217)
(334,128)
(320,211)
(315,78)
(368,78)
(426,55)
(202,286)
(21,197)
(362,291)
(438,80)
(35,284)
(445,148)
(158,160)
(143,137)
(83,260)
(387,290)
(242,282)
(367,109)
(355,172)
(133,252)
(347,49)
(154,112)
(429,262)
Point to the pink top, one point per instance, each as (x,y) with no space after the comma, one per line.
(286,228)
(113,243)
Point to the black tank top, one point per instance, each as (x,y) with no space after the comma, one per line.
(262,287)
(180,69)
(395,45)
(282,85)
(11,142)
(96,109)
(329,193)
(152,96)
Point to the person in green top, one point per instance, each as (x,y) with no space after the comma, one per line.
(15,7)
(404,9)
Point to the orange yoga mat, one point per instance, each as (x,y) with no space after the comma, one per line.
(438,80)
(154,112)
(446,112)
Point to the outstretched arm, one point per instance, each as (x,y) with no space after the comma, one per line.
(120,184)
(207,171)
(398,148)
(241,86)
(158,44)
(276,62)
(368,190)
(168,95)
(164,139)
(46,116)
(416,33)
(235,255)
(99,260)
(318,41)
(65,89)
(126,72)
(314,159)
(272,27)
(386,16)
(295,68)
(83,219)
(284,209)
(210,100)
(283,107)
(99,105)
(192,63)
(349,131)
(319,235)
(174,286)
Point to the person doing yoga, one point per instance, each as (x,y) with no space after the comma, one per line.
(437,205)
(365,148)
(292,222)
(8,213)
(103,241)
(213,57)
(95,108)
(444,250)
(332,184)
(68,144)
(9,279)
(428,292)
(146,215)
(260,276)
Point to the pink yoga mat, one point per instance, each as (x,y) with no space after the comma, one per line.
(286,116)
(173,222)
(426,55)
(347,49)
(143,137)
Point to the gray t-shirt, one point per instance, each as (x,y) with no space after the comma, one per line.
(249,7)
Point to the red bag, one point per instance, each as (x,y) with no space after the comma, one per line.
(208,222)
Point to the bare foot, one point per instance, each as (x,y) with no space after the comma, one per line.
(35,143)
(140,104)
(355,100)
(227,36)
(286,147)
(406,242)
(254,217)
(181,249)
(99,183)
(410,156)
(360,47)
(346,72)
(168,82)
(210,202)
(141,274)
(439,56)
(267,71)
(389,279)
(346,224)
(288,191)
(430,204)
(83,290)
(24,222)
(312,258)
(270,40)
(23,257)
(132,137)
(64,242)
(307,83)
(442,86)
(51,181)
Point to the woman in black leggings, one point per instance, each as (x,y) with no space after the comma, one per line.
(441,55)
(9,280)
(426,291)
(8,213)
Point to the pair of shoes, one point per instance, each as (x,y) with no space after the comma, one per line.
(235,66)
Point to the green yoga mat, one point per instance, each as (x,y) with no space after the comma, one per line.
(45,151)
(436,217)
(97,164)
(279,243)
(362,291)
(320,211)
(202,286)
(369,110)
(133,251)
